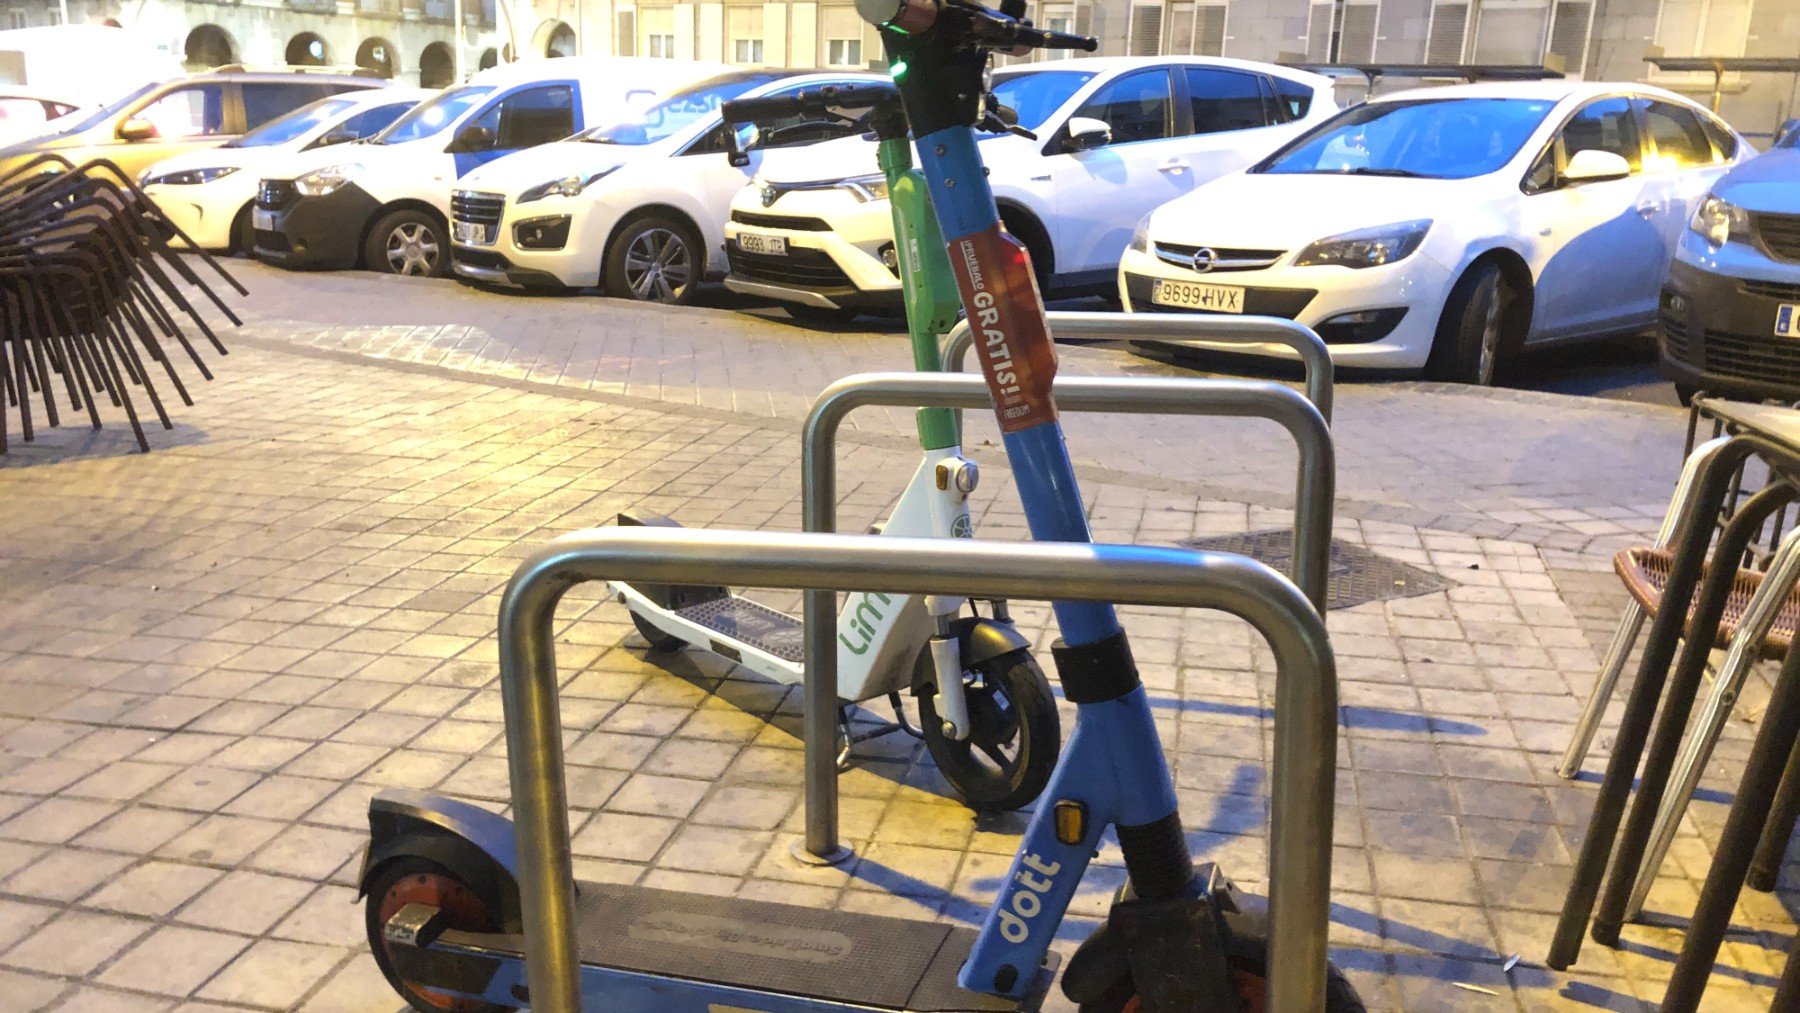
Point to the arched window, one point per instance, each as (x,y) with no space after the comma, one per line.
(209,46)
(307,50)
(378,55)
(437,66)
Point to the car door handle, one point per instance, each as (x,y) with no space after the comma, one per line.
(1174,165)
(1649,207)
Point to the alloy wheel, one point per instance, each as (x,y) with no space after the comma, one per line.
(658,265)
(412,249)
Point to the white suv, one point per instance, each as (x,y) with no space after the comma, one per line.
(1116,137)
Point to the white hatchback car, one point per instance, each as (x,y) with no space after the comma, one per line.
(1115,138)
(1442,229)
(208,193)
(636,206)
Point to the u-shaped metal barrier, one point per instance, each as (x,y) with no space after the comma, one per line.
(1305,768)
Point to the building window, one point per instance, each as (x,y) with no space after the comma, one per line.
(841,36)
(657,25)
(744,27)
(1704,27)
(16,18)
(1057,17)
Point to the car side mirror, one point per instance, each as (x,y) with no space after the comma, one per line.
(1787,135)
(136,129)
(739,141)
(1595,166)
(475,138)
(338,136)
(1087,133)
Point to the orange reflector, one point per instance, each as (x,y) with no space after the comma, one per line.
(1071,821)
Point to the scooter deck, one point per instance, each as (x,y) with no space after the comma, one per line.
(748,622)
(882,963)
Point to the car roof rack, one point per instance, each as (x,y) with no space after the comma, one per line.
(1471,72)
(294,68)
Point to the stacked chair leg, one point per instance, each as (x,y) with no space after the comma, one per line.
(90,292)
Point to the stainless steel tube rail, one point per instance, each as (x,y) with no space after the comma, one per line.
(1315,357)
(1303,790)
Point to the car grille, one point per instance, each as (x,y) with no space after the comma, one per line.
(1771,289)
(477,208)
(801,268)
(792,222)
(274,241)
(277,194)
(1675,336)
(1225,258)
(1762,359)
(1780,235)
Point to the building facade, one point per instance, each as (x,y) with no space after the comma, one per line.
(413,39)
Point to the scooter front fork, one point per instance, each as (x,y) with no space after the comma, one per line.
(946,661)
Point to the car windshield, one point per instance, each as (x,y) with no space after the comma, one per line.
(677,112)
(428,118)
(96,116)
(1035,94)
(1448,138)
(296,124)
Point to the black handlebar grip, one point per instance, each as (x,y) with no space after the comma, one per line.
(806,101)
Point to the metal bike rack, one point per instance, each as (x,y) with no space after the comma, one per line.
(1315,357)
(1303,789)
(1315,489)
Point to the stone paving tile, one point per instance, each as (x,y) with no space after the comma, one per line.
(323,541)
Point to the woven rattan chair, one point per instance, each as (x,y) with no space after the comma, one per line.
(1645,572)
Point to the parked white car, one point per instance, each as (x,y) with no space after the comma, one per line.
(209,193)
(26,112)
(637,206)
(1443,229)
(385,204)
(1115,138)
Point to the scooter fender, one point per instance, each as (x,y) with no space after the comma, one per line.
(670,597)
(979,640)
(456,835)
(1175,949)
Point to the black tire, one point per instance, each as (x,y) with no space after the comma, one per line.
(410,242)
(1340,996)
(410,878)
(1036,243)
(1015,708)
(243,235)
(655,258)
(1471,335)
(656,638)
(836,315)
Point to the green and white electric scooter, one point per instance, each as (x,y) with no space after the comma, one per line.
(986,711)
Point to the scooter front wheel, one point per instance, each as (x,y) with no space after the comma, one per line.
(1252,989)
(654,636)
(1014,735)
(414,880)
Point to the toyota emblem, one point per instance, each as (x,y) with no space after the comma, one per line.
(1204,258)
(770,195)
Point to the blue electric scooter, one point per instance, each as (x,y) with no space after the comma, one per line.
(444,911)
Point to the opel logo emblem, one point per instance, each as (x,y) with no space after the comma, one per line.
(1204,258)
(770,195)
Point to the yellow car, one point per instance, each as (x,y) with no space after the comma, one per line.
(181,115)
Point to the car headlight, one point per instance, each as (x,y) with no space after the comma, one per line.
(1718,221)
(329,179)
(189,177)
(1383,244)
(1140,238)
(866,188)
(566,186)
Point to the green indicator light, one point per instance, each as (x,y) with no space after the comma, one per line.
(898,69)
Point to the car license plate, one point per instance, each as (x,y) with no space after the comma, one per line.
(474,233)
(1193,295)
(1787,321)
(774,246)
(262,219)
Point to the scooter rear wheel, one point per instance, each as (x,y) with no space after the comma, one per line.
(1014,735)
(1252,989)
(656,638)
(414,880)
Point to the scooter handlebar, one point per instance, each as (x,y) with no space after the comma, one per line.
(815,101)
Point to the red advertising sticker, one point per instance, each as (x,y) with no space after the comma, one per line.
(1007,316)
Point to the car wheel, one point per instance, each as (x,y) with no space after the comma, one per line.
(1471,335)
(655,259)
(243,235)
(408,242)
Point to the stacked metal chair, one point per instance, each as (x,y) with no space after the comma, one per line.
(90,289)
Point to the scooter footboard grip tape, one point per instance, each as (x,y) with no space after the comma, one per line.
(1006,312)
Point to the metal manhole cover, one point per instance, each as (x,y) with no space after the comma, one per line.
(1356,574)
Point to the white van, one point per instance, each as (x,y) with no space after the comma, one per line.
(384,203)
(83,65)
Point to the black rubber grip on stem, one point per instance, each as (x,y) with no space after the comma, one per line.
(1156,857)
(1096,672)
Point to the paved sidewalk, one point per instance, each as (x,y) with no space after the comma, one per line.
(213,654)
